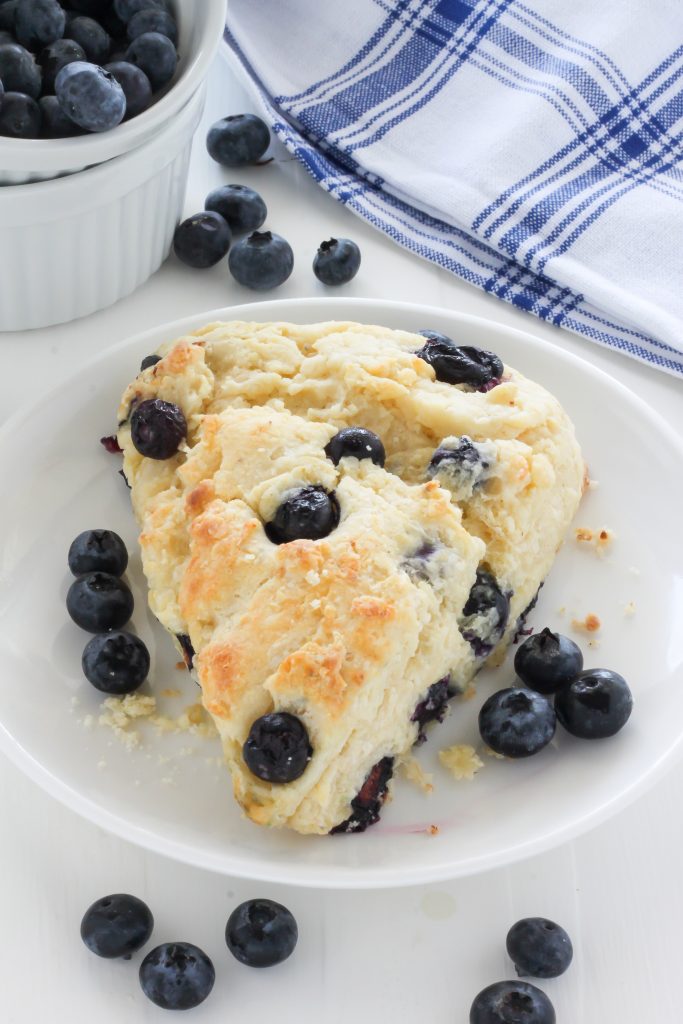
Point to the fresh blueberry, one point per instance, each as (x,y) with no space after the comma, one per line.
(91,37)
(366,806)
(117,926)
(98,551)
(356,442)
(153,20)
(459,364)
(135,84)
(56,56)
(116,662)
(8,12)
(336,261)
(262,260)
(155,55)
(596,705)
(157,428)
(126,9)
(548,661)
(516,722)
(243,208)
(277,748)
(539,948)
(467,464)
(37,23)
(238,140)
(177,976)
(485,614)
(307,514)
(99,602)
(261,933)
(19,71)
(149,361)
(202,240)
(512,1002)
(90,96)
(20,116)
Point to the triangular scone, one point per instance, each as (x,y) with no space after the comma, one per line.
(363,634)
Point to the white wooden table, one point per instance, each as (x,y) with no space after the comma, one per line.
(411,955)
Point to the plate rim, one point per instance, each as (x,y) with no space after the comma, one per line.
(321,876)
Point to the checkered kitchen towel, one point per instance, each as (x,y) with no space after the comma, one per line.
(532,147)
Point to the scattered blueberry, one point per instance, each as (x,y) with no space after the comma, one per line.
(135,84)
(20,116)
(155,55)
(115,662)
(539,948)
(149,361)
(8,12)
(55,56)
(238,140)
(19,71)
(117,926)
(596,705)
(262,260)
(512,1002)
(202,240)
(261,933)
(91,37)
(517,722)
(336,261)
(459,364)
(153,20)
(277,748)
(467,464)
(356,442)
(98,551)
(38,23)
(177,976)
(243,208)
(98,602)
(90,96)
(485,614)
(157,428)
(366,806)
(309,513)
(548,661)
(126,9)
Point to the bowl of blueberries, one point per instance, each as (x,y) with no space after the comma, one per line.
(99,102)
(84,81)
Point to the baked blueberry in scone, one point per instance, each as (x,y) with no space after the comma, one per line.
(338,540)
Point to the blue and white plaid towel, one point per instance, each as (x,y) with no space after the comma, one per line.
(532,148)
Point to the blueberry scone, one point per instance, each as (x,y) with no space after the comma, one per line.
(339,525)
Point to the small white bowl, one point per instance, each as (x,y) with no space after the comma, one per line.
(76,244)
(201,24)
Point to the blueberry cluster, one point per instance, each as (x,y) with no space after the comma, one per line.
(179,975)
(263,259)
(73,66)
(592,704)
(99,601)
(538,948)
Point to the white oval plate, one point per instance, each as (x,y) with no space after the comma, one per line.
(170,794)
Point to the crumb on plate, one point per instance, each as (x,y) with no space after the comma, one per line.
(630,609)
(599,540)
(414,772)
(591,624)
(461,760)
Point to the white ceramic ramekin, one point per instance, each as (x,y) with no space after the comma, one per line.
(76,244)
(201,24)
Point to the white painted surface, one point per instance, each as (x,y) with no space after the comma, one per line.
(410,955)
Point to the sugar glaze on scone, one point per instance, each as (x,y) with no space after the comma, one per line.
(363,635)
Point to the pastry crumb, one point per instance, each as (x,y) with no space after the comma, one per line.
(414,772)
(562,610)
(469,692)
(591,624)
(493,753)
(180,665)
(630,609)
(593,643)
(170,692)
(461,760)
(599,540)
(432,830)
